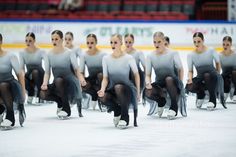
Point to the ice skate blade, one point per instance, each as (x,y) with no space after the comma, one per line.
(169,117)
(63,117)
(5,128)
(122,124)
(122,127)
(210,108)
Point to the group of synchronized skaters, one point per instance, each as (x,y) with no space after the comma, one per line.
(115,80)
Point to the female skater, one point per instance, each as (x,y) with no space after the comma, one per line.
(31,57)
(208,77)
(92,58)
(65,88)
(11,90)
(164,61)
(69,38)
(117,90)
(138,56)
(228,63)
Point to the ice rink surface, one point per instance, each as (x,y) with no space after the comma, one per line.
(203,133)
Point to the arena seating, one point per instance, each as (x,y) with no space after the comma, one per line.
(112,10)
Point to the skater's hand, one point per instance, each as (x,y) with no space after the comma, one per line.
(101,93)
(189,81)
(44,87)
(148,86)
(83,83)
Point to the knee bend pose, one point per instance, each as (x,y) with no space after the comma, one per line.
(228,64)
(31,58)
(92,59)
(11,90)
(164,62)
(203,59)
(69,38)
(117,90)
(65,88)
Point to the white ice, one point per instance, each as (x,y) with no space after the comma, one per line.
(202,133)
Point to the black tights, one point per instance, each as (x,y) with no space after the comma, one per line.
(227,81)
(34,82)
(7,98)
(93,86)
(58,95)
(158,94)
(118,101)
(199,87)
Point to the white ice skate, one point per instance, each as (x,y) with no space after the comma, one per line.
(171,114)
(85,101)
(93,104)
(36,101)
(226,95)
(210,106)
(62,115)
(30,100)
(59,109)
(160,111)
(6,125)
(122,124)
(199,103)
(116,120)
(234,98)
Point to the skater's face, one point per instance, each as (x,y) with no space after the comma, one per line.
(68,40)
(91,43)
(129,41)
(227,45)
(159,43)
(56,40)
(29,41)
(115,43)
(198,42)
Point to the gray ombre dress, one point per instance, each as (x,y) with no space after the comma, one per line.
(165,65)
(139,58)
(32,61)
(228,63)
(117,70)
(94,66)
(61,67)
(8,62)
(204,63)
(93,63)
